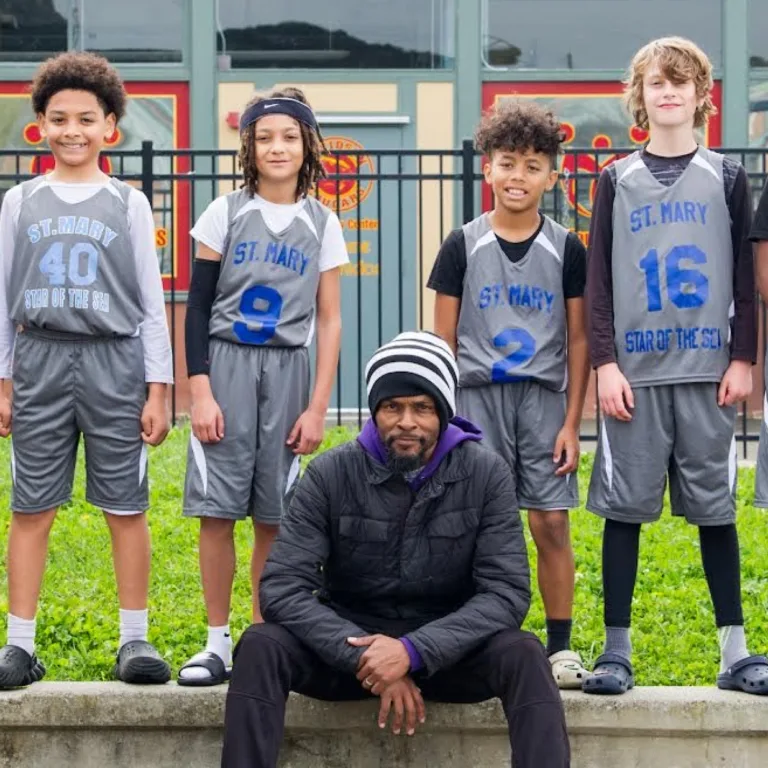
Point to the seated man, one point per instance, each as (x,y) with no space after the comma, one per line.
(400,571)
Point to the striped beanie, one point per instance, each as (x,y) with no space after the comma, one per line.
(414,363)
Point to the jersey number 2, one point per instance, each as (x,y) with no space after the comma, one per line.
(687,288)
(524,351)
(259,305)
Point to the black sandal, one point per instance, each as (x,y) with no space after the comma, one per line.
(749,675)
(211,663)
(18,668)
(138,662)
(611,676)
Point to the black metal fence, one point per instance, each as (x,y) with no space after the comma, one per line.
(396,207)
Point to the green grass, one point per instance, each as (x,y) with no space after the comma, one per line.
(673,624)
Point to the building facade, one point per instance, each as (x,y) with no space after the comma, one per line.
(396,75)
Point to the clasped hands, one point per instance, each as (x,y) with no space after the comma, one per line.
(383,670)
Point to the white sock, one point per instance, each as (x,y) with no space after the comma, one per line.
(733,646)
(133,626)
(220,643)
(21,632)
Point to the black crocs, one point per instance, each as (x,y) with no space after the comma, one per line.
(138,662)
(611,676)
(749,675)
(18,668)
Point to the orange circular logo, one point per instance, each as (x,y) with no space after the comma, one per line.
(351,187)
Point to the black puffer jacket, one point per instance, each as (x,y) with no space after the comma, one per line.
(360,553)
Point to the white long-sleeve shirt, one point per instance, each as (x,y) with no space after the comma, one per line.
(158,363)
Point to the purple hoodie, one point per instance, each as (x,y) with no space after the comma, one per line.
(458,431)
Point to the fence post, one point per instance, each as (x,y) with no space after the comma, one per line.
(147,171)
(468,180)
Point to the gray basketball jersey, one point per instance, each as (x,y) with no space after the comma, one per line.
(512,323)
(672,264)
(268,282)
(74,269)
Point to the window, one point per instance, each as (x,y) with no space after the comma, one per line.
(592,34)
(33,31)
(133,31)
(338,34)
(758,33)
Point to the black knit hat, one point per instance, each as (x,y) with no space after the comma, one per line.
(414,363)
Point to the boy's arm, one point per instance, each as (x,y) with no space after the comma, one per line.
(744,337)
(613,389)
(447,279)
(759,236)
(7,331)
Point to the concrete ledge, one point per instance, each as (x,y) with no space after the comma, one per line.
(109,725)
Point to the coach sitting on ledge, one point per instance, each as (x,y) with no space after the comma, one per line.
(400,571)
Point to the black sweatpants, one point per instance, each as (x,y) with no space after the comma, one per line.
(270,662)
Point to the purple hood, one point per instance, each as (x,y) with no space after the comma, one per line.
(458,431)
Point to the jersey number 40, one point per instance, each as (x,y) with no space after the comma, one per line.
(53,265)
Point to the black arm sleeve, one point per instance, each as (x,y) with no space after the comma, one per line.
(760,224)
(574,267)
(447,274)
(202,291)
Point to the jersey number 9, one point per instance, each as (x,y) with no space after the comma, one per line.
(260,306)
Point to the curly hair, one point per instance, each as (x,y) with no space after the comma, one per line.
(519,125)
(79,71)
(311,170)
(679,60)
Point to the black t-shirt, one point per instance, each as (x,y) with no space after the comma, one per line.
(760,222)
(447,275)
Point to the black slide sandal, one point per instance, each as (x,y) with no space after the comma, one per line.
(212,664)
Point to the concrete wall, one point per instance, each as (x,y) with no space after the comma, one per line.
(95,725)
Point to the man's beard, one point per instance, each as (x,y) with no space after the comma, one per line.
(405,463)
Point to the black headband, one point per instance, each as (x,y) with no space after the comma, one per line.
(281,105)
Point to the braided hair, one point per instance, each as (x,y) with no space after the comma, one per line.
(312,169)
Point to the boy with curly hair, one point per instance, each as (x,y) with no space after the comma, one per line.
(673,338)
(84,344)
(510,288)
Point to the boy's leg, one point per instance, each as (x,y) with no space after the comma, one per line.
(703,489)
(43,452)
(110,394)
(283,397)
(761,468)
(548,497)
(627,488)
(217,489)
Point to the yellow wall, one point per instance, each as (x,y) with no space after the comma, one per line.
(434,130)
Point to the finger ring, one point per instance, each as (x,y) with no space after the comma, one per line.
(367,683)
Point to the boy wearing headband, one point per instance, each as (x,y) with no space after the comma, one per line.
(265,280)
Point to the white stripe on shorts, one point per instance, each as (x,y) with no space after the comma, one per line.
(142,464)
(202,466)
(293,473)
(607,455)
(732,463)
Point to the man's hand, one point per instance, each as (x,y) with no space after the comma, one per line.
(736,385)
(154,417)
(405,698)
(5,416)
(307,433)
(385,661)
(615,394)
(567,443)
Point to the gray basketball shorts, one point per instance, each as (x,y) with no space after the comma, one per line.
(66,386)
(521,421)
(761,469)
(677,431)
(251,472)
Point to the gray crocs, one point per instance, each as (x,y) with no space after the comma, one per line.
(749,675)
(611,676)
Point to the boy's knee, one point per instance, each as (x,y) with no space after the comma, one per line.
(217,528)
(550,530)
